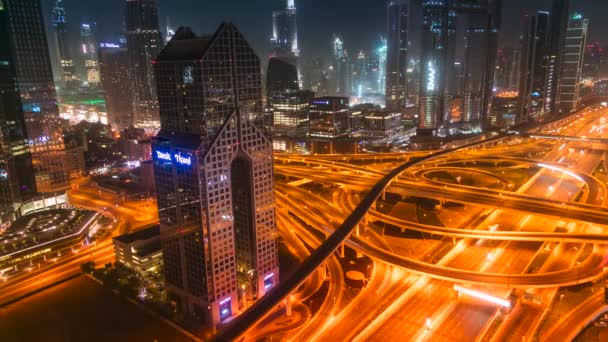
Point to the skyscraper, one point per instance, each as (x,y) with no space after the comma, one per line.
(115,81)
(341,67)
(534,64)
(16,173)
(360,73)
(143,44)
(381,57)
(572,63)
(29,117)
(214,175)
(457,63)
(436,61)
(88,44)
(68,68)
(281,76)
(285,32)
(396,64)
(559,18)
(290,111)
(481,48)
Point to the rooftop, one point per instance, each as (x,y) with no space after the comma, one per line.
(144,234)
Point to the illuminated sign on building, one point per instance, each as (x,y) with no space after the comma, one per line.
(109,45)
(430,83)
(177,158)
(180,159)
(163,155)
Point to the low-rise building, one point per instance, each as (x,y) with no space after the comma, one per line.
(140,251)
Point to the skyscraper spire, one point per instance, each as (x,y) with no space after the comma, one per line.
(285,32)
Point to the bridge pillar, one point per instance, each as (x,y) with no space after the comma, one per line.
(288,305)
(358,234)
(341,251)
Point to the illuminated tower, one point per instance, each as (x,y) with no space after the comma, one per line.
(436,61)
(381,53)
(341,67)
(28,101)
(214,175)
(143,44)
(68,69)
(88,45)
(285,32)
(396,65)
(572,63)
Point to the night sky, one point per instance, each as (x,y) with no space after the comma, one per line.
(360,22)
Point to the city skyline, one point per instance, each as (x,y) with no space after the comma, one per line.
(303,171)
(255,19)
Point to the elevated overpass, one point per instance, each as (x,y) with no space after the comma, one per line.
(258,310)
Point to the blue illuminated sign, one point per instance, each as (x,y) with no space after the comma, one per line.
(321,102)
(109,45)
(163,155)
(3,174)
(180,159)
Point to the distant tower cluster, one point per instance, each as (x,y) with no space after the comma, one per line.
(552,56)
(457,76)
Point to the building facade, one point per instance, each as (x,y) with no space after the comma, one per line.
(329,117)
(214,175)
(144,42)
(115,81)
(69,77)
(88,44)
(572,64)
(396,63)
(290,112)
(534,64)
(30,102)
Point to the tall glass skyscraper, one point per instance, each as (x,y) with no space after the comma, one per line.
(68,68)
(572,63)
(29,117)
(115,80)
(534,64)
(214,175)
(560,17)
(88,45)
(144,42)
(396,64)
(437,57)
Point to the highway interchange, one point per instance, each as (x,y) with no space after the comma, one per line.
(535,221)
(520,241)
